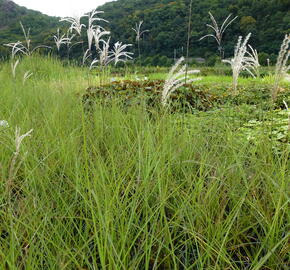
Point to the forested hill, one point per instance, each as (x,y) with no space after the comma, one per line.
(268,20)
(42,26)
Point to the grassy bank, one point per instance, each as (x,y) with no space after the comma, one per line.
(124,189)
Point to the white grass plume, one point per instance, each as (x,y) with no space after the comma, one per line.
(59,40)
(13,164)
(86,56)
(13,68)
(239,62)
(20,47)
(104,55)
(287,108)
(99,33)
(26,36)
(16,47)
(252,62)
(175,79)
(93,17)
(90,35)
(119,54)
(92,29)
(28,48)
(138,31)
(219,31)
(26,76)
(75,23)
(281,66)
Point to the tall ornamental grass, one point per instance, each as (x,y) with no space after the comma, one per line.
(119,189)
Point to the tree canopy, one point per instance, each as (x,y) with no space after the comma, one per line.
(166,20)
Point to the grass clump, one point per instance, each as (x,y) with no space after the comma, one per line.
(117,189)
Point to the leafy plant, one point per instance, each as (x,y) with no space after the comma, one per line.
(274,128)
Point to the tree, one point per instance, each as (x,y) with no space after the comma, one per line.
(248,24)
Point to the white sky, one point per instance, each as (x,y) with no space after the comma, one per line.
(61,7)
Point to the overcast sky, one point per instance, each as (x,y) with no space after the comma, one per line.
(61,7)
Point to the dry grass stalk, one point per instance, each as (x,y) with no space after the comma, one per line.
(26,76)
(75,22)
(281,66)
(13,68)
(139,33)
(119,54)
(19,47)
(219,31)
(59,40)
(13,168)
(252,61)
(98,34)
(240,62)
(86,56)
(175,79)
(287,108)
(104,55)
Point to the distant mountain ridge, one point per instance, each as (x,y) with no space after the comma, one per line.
(7,10)
(166,20)
(10,31)
(11,13)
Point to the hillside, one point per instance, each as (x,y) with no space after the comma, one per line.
(11,14)
(268,20)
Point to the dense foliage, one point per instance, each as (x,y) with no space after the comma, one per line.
(268,20)
(188,98)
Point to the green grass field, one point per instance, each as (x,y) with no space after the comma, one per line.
(126,189)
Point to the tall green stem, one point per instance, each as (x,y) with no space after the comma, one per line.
(188,38)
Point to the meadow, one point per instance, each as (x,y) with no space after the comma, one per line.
(130,185)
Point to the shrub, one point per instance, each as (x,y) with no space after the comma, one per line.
(263,58)
(212,60)
(187,98)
